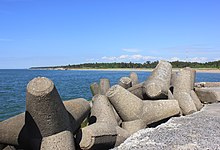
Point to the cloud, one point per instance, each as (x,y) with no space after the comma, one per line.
(192,59)
(124,58)
(131,50)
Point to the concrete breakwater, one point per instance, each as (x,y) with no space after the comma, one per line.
(115,112)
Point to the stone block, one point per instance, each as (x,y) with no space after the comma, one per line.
(208,94)
(134,78)
(125,82)
(157,85)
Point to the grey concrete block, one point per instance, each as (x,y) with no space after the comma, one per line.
(134,78)
(157,85)
(157,110)
(208,94)
(102,111)
(122,135)
(104,85)
(11,128)
(62,140)
(185,102)
(94,87)
(78,110)
(45,107)
(207,84)
(173,78)
(137,90)
(196,100)
(133,126)
(128,106)
(192,76)
(97,136)
(125,82)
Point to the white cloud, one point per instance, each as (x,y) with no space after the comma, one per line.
(131,50)
(134,58)
(193,59)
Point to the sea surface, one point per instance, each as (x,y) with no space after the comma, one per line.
(69,83)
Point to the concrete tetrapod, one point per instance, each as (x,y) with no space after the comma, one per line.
(15,132)
(133,126)
(208,94)
(192,76)
(104,85)
(157,85)
(182,89)
(94,87)
(138,90)
(125,82)
(130,107)
(196,100)
(102,112)
(134,78)
(207,84)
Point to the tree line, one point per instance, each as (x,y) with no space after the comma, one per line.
(147,64)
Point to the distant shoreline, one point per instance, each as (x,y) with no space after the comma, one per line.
(201,70)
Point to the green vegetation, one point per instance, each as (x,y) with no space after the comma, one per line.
(147,64)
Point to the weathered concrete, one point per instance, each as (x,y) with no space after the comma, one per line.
(170,95)
(102,111)
(208,94)
(157,110)
(192,76)
(157,85)
(122,135)
(128,106)
(207,84)
(134,78)
(97,136)
(133,126)
(62,140)
(78,110)
(125,82)
(182,89)
(196,100)
(137,90)
(196,131)
(94,87)
(104,85)
(45,107)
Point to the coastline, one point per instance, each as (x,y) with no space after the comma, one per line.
(200,70)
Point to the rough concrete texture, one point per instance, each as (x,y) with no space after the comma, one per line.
(45,107)
(157,110)
(62,140)
(181,91)
(137,90)
(197,131)
(196,100)
(9,148)
(157,85)
(104,85)
(192,76)
(10,129)
(78,110)
(133,126)
(122,135)
(97,136)
(102,111)
(134,78)
(170,95)
(128,106)
(173,78)
(94,87)
(207,84)
(208,94)
(125,82)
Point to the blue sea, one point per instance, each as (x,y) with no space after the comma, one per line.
(69,83)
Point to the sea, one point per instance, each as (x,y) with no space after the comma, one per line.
(70,84)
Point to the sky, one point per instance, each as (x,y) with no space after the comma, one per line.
(54,32)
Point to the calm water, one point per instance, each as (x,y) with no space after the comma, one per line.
(70,84)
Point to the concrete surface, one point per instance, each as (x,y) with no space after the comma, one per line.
(197,131)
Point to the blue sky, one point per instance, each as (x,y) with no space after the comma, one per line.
(55,32)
